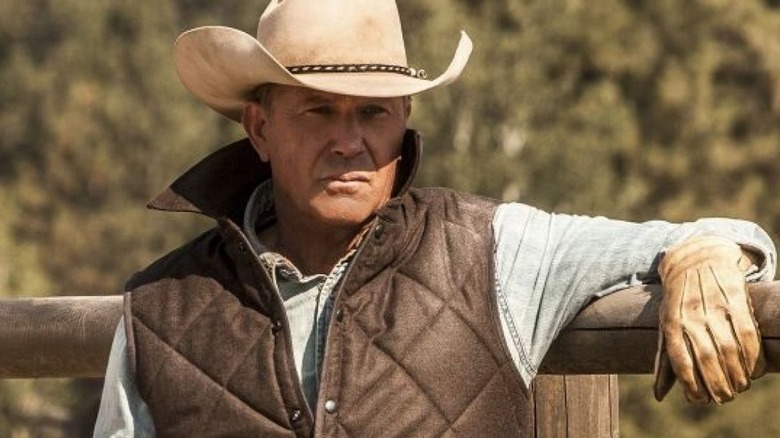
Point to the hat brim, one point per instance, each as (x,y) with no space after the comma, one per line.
(222,66)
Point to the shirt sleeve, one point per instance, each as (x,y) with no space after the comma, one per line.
(549,266)
(123,413)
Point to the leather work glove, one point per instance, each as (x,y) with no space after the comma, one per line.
(708,337)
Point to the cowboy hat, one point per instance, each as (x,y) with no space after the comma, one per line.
(352,47)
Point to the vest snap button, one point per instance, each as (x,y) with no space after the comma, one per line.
(277,327)
(339,315)
(378,231)
(296,415)
(330,406)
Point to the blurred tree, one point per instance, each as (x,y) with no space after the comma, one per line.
(95,123)
(630,109)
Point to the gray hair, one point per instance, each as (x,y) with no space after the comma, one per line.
(263,95)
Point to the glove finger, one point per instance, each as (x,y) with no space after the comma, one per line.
(708,364)
(697,339)
(731,283)
(677,299)
(719,326)
(730,355)
(662,370)
(693,384)
(664,374)
(681,358)
(703,307)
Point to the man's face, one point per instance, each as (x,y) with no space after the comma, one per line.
(333,157)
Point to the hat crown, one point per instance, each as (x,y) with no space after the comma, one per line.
(324,32)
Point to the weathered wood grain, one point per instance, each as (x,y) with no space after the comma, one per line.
(57,337)
(617,334)
(576,406)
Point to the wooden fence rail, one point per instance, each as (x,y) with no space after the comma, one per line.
(71,336)
(617,334)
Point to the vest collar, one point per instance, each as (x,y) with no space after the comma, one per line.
(220,185)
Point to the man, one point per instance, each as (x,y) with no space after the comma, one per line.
(332,299)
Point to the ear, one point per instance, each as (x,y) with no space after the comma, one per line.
(254,117)
(408,105)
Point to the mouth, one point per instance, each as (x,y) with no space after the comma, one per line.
(345,183)
(347,177)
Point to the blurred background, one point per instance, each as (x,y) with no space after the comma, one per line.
(631,109)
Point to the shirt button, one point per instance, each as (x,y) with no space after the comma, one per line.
(296,415)
(339,315)
(330,406)
(378,231)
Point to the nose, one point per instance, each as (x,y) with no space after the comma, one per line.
(348,139)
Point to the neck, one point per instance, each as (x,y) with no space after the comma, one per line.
(312,248)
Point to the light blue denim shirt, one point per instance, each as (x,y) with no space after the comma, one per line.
(548,266)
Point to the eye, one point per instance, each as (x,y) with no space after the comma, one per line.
(321,110)
(374,110)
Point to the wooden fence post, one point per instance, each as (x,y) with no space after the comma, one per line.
(574,406)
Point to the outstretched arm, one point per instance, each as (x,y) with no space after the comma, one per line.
(550,266)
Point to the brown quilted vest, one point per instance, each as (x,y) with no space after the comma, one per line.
(414,348)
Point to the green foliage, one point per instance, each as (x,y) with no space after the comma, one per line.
(629,109)
(85,113)
(751,414)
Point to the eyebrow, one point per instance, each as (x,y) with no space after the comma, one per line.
(317,99)
(324,99)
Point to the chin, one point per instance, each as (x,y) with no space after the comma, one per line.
(345,212)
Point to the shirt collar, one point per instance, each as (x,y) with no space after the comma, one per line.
(260,214)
